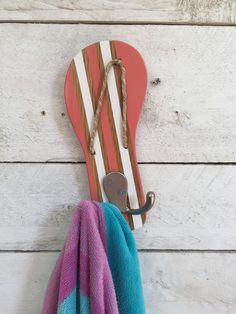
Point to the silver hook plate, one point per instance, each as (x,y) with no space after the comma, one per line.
(115,186)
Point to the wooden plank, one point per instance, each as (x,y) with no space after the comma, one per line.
(189,117)
(195,206)
(141,11)
(173,283)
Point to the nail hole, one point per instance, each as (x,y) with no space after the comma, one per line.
(156,81)
(63,114)
(43,113)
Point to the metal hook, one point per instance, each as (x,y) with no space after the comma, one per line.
(116,188)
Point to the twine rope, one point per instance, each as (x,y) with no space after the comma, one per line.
(99,104)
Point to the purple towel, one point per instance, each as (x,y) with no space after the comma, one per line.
(87,286)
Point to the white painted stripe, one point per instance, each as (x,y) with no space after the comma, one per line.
(89,112)
(117,114)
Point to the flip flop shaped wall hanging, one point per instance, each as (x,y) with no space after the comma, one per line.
(104,93)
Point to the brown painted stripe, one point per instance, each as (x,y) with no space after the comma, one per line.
(94,103)
(130,148)
(110,114)
(86,129)
(113,129)
(118,85)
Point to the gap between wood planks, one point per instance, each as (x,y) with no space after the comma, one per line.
(116,23)
(174,251)
(213,163)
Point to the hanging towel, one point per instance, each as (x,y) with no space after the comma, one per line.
(97,271)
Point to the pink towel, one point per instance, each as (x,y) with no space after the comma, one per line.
(86,242)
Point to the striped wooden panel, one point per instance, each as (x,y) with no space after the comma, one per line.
(82,88)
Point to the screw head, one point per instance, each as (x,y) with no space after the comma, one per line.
(109,182)
(121,192)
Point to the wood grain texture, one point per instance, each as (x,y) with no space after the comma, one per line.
(141,11)
(173,283)
(189,117)
(195,206)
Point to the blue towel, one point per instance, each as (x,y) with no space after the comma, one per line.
(123,261)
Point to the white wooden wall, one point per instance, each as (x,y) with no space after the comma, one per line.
(186,146)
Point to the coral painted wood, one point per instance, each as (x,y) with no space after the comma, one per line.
(82,89)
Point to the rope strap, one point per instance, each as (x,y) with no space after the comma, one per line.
(99,104)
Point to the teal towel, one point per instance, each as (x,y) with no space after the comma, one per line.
(123,261)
